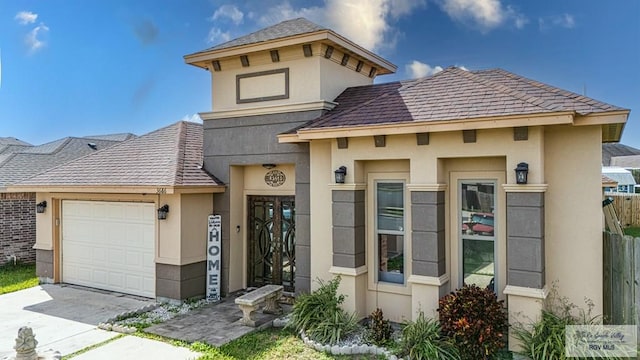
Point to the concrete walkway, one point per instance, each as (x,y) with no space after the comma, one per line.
(64,319)
(214,324)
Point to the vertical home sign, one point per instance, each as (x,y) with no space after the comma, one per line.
(214,263)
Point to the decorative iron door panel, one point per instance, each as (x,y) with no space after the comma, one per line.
(271,241)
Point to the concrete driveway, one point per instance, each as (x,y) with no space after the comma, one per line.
(64,319)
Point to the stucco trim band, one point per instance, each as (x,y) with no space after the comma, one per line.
(348,187)
(429,280)
(339,270)
(427,187)
(271,109)
(525,188)
(526,291)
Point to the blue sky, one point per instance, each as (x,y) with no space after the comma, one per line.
(85,67)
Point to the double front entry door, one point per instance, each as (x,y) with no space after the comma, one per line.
(271,241)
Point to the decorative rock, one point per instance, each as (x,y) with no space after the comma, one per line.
(335,349)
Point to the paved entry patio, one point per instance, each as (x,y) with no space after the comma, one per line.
(214,324)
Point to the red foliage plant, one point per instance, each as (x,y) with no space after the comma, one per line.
(475,320)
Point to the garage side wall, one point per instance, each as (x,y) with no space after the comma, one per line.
(17,227)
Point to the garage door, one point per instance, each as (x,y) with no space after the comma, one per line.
(109,245)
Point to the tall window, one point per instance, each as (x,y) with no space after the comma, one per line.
(390,231)
(477,209)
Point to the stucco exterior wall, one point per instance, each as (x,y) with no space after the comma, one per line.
(310,78)
(558,158)
(573,206)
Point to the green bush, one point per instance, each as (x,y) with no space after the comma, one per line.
(320,316)
(379,329)
(544,339)
(421,340)
(475,321)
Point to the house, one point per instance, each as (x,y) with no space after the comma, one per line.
(623,177)
(608,184)
(407,190)
(104,216)
(421,160)
(613,150)
(20,160)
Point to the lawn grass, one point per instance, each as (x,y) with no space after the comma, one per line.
(269,344)
(17,277)
(632,231)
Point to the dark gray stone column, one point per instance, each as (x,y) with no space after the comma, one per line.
(181,282)
(348,228)
(44,264)
(427,233)
(525,239)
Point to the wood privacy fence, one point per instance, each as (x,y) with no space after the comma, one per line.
(621,275)
(627,208)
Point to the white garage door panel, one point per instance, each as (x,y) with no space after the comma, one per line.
(109,245)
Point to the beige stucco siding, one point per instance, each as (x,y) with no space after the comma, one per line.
(195,209)
(573,236)
(322,247)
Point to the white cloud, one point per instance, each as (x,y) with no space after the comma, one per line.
(417,69)
(369,23)
(192,118)
(26,17)
(484,14)
(217,36)
(566,21)
(32,39)
(230,12)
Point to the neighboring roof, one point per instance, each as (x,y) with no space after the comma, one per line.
(614,150)
(453,94)
(12,141)
(607,181)
(627,162)
(113,137)
(278,31)
(28,161)
(170,156)
(620,175)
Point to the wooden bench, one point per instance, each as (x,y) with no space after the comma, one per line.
(249,303)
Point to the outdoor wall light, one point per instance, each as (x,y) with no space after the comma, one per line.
(41,206)
(522,171)
(341,173)
(162,212)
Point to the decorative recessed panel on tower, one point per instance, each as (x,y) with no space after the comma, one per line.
(262,86)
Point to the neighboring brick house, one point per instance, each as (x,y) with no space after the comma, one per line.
(19,161)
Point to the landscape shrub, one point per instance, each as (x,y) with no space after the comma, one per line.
(544,338)
(320,315)
(475,321)
(379,330)
(421,340)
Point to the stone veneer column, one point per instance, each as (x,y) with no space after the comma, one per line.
(429,278)
(349,243)
(525,239)
(526,285)
(348,214)
(427,233)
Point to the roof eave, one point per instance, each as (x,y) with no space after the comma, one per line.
(412,127)
(612,123)
(115,189)
(202,58)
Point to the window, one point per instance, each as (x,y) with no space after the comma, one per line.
(478,234)
(390,231)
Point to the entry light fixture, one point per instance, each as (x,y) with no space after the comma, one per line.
(41,206)
(522,172)
(341,173)
(268,166)
(162,212)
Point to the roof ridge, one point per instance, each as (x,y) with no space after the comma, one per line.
(556,90)
(533,100)
(180,152)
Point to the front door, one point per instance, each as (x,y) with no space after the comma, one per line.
(271,241)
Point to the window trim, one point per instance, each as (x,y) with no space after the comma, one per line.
(371,229)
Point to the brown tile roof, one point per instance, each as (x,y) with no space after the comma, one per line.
(610,151)
(281,30)
(170,156)
(452,94)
